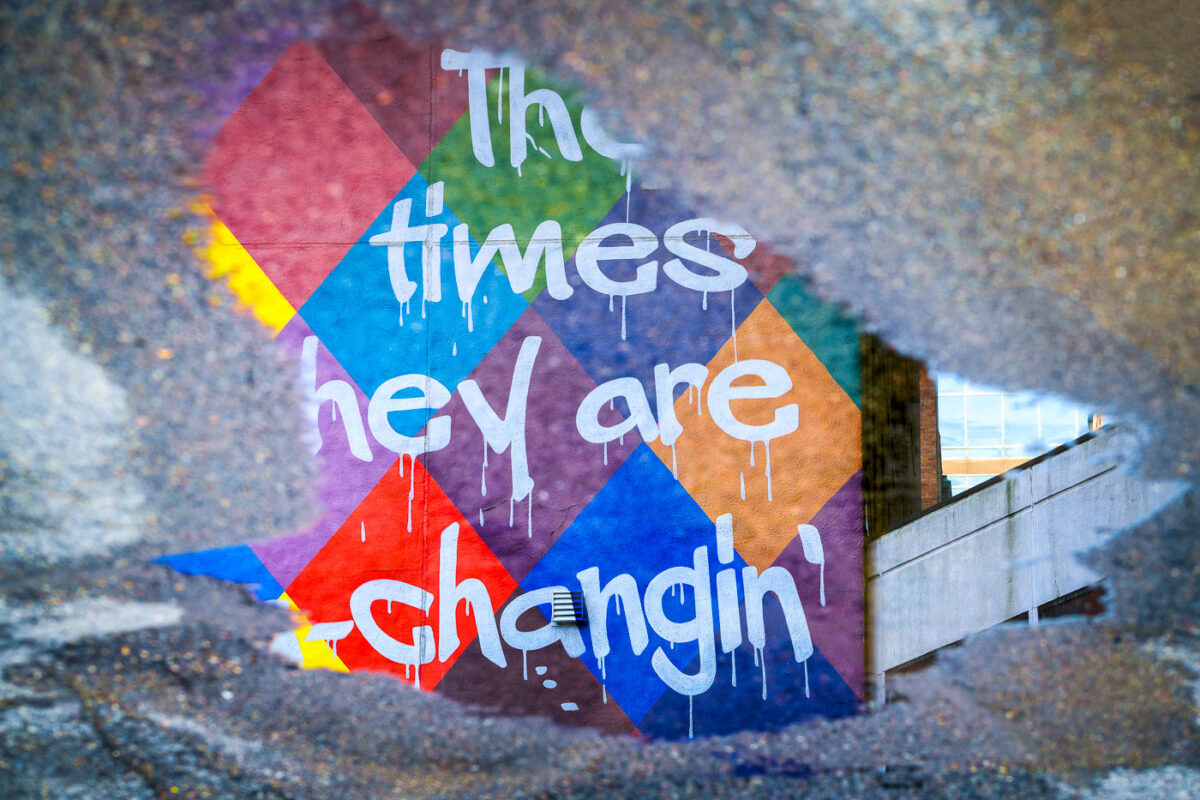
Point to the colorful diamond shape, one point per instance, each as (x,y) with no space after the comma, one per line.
(825,328)
(545,683)
(641,539)
(672,324)
(576,194)
(566,470)
(346,477)
(300,169)
(836,625)
(810,464)
(358,316)
(794,692)
(396,535)
(399,81)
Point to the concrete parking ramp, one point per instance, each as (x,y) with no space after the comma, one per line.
(1003,548)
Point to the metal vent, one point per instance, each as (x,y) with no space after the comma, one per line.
(567,608)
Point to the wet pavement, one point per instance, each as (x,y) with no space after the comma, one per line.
(1008,191)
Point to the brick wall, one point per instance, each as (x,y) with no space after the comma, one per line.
(931,444)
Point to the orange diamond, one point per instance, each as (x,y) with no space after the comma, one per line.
(807,466)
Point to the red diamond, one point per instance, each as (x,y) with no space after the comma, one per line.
(376,543)
(300,170)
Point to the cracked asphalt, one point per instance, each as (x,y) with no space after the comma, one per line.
(1006,190)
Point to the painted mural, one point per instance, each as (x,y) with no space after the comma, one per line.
(528,372)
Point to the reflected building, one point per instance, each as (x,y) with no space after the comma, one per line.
(986,431)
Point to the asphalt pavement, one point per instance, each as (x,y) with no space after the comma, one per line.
(1008,191)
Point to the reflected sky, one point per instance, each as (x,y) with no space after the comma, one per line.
(986,430)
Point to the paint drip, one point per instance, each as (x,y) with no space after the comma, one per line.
(733,322)
(483,473)
(412,474)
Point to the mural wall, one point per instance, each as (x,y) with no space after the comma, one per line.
(528,372)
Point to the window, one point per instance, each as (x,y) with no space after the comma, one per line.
(986,431)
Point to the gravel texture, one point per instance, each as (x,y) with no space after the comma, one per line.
(1006,190)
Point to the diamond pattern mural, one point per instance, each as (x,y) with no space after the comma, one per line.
(527,374)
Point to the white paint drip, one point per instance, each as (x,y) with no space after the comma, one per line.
(674,463)
(603,680)
(537,146)
(500,98)
(733,322)
(814,551)
(512,505)
(412,474)
(529,512)
(610,309)
(623,304)
(742,478)
(704,302)
(761,660)
(806,694)
(481,519)
(333,412)
(483,472)
(454,350)
(617,600)
(485,299)
(362,530)
(752,452)
(733,666)
(606,454)
(691,729)
(525,665)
